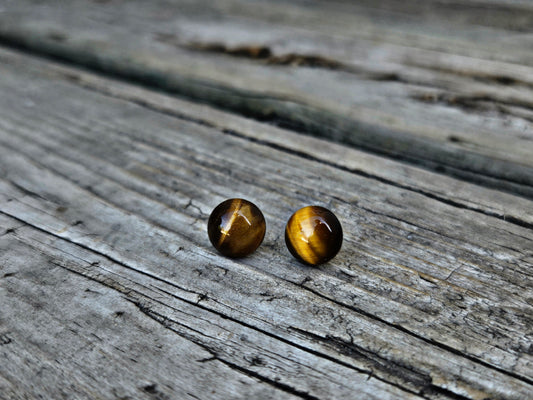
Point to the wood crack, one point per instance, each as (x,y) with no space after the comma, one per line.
(263,53)
(478,102)
(167,323)
(416,335)
(500,79)
(216,357)
(106,256)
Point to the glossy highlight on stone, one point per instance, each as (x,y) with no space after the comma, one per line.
(313,235)
(236,228)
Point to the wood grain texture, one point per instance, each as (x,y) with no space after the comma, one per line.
(445,85)
(68,335)
(105,191)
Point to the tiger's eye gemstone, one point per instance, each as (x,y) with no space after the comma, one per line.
(313,235)
(236,227)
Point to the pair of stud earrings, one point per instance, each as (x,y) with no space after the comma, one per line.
(236,228)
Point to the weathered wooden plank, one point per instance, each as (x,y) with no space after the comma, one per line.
(445,85)
(207,350)
(427,299)
(452,191)
(68,336)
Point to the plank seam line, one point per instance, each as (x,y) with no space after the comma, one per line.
(150,80)
(294,126)
(196,304)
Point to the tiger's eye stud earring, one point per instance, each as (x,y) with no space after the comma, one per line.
(313,235)
(236,227)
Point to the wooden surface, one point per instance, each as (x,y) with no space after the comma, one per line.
(109,287)
(445,85)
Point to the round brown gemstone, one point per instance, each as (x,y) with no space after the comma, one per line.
(313,235)
(236,227)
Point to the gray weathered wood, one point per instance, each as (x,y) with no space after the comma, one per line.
(66,336)
(447,85)
(107,187)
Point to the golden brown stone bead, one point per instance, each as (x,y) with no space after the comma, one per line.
(236,227)
(313,235)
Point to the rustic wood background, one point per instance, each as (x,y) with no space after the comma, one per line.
(124,123)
